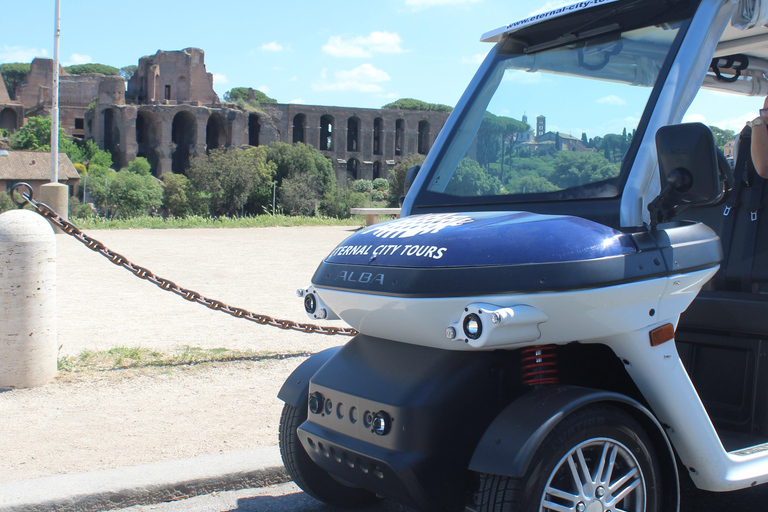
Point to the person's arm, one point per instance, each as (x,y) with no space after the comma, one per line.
(760,143)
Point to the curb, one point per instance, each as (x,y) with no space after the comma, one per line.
(145,485)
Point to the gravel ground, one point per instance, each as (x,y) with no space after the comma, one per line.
(109,419)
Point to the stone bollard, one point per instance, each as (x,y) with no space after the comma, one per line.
(28,334)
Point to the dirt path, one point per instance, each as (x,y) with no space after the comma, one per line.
(121,418)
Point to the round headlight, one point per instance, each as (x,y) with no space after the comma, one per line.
(316,402)
(382,423)
(310,303)
(473,327)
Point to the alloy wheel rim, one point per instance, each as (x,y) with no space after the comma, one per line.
(597,475)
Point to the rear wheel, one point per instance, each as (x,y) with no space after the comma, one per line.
(309,476)
(598,459)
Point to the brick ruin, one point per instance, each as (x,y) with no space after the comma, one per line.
(169,114)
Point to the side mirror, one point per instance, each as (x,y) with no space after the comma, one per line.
(410,177)
(689,170)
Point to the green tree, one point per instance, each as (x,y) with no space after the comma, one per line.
(140,166)
(5,202)
(228,177)
(572,169)
(340,201)
(129,195)
(397,177)
(14,74)
(81,69)
(35,135)
(412,104)
(243,93)
(128,71)
(722,136)
(180,198)
(470,179)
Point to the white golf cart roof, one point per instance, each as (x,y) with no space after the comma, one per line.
(747,35)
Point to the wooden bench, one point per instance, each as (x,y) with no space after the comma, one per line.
(372,214)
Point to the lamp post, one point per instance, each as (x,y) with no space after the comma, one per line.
(55,194)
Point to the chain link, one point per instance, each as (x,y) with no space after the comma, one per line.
(144,273)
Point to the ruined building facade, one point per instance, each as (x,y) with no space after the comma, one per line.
(169,113)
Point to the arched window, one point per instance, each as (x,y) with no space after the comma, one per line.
(378,133)
(147,137)
(326,133)
(254,129)
(216,132)
(353,169)
(353,134)
(399,136)
(424,137)
(183,134)
(299,122)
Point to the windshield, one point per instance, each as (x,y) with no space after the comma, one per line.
(552,125)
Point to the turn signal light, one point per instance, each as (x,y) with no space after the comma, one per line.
(662,334)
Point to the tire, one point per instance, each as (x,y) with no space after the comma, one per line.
(589,438)
(312,479)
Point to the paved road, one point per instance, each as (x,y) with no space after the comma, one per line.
(289,498)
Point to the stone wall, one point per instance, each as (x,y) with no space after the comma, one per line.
(177,76)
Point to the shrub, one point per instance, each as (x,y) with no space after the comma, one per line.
(380,184)
(361,186)
(338,203)
(79,210)
(5,202)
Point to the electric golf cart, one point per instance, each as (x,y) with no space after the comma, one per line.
(557,323)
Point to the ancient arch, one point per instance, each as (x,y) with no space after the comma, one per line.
(378,133)
(216,132)
(399,136)
(148,130)
(377,170)
(299,128)
(353,134)
(112,136)
(326,133)
(353,169)
(423,137)
(183,134)
(8,120)
(254,129)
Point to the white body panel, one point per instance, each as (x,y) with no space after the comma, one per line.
(578,315)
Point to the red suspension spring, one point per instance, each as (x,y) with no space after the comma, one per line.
(540,365)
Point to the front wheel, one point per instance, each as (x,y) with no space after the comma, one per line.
(309,476)
(597,459)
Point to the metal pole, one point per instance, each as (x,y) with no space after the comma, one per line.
(55,94)
(274,193)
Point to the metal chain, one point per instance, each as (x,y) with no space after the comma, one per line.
(143,273)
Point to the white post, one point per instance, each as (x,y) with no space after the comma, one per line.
(28,331)
(55,94)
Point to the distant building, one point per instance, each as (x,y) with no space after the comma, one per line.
(34,167)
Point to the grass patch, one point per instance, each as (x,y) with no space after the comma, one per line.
(258,221)
(121,358)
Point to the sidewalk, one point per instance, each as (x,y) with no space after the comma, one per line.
(84,431)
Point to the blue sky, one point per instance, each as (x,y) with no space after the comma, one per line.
(332,52)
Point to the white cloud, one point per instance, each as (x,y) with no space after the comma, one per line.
(364,46)
(695,118)
(423,4)
(263,88)
(364,78)
(20,54)
(298,101)
(519,76)
(274,46)
(735,123)
(293,79)
(77,58)
(475,59)
(220,79)
(611,100)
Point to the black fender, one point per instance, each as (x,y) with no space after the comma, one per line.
(295,389)
(510,442)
